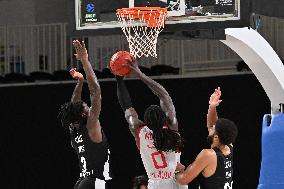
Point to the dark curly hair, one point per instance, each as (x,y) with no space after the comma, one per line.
(140,181)
(165,139)
(71,112)
(226,130)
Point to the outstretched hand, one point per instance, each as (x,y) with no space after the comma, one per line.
(180,167)
(75,74)
(214,100)
(133,65)
(81,51)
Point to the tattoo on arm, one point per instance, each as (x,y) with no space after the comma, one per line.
(124,100)
(165,99)
(76,96)
(123,96)
(94,88)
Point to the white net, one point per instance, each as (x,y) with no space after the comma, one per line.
(142,29)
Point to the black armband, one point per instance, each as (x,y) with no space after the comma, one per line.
(122,94)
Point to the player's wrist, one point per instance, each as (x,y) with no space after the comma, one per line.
(81,79)
(139,73)
(213,106)
(84,60)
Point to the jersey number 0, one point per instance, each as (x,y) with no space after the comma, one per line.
(156,156)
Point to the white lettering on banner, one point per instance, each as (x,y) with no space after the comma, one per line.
(224,2)
(228,185)
(79,139)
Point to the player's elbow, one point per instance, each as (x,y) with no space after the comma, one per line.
(164,96)
(95,96)
(182,182)
(96,91)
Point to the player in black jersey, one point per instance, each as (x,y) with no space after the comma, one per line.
(215,165)
(87,136)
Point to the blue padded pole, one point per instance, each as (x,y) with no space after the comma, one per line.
(272,163)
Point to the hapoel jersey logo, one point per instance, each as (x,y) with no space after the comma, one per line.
(228,185)
(149,136)
(161,174)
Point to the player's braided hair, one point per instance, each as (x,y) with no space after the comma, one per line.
(140,181)
(70,112)
(165,139)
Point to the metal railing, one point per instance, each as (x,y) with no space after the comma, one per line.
(272,29)
(25,49)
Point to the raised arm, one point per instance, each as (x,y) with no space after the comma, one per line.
(131,115)
(212,115)
(166,102)
(93,124)
(76,96)
(193,170)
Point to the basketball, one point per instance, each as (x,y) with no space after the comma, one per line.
(117,62)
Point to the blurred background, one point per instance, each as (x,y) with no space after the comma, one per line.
(36,54)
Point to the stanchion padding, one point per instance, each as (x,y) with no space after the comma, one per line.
(272,163)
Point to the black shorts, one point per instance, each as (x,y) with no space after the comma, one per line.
(90,182)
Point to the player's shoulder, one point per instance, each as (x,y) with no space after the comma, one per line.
(142,129)
(206,156)
(145,133)
(207,153)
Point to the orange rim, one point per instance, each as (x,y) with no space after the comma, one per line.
(151,15)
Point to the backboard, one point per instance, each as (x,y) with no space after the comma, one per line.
(100,15)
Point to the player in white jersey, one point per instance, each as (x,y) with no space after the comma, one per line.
(157,136)
(159,165)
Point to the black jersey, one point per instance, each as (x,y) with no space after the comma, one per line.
(223,176)
(93,157)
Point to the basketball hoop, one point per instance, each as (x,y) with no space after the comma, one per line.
(141,26)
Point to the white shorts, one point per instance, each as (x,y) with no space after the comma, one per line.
(165,184)
(100,184)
